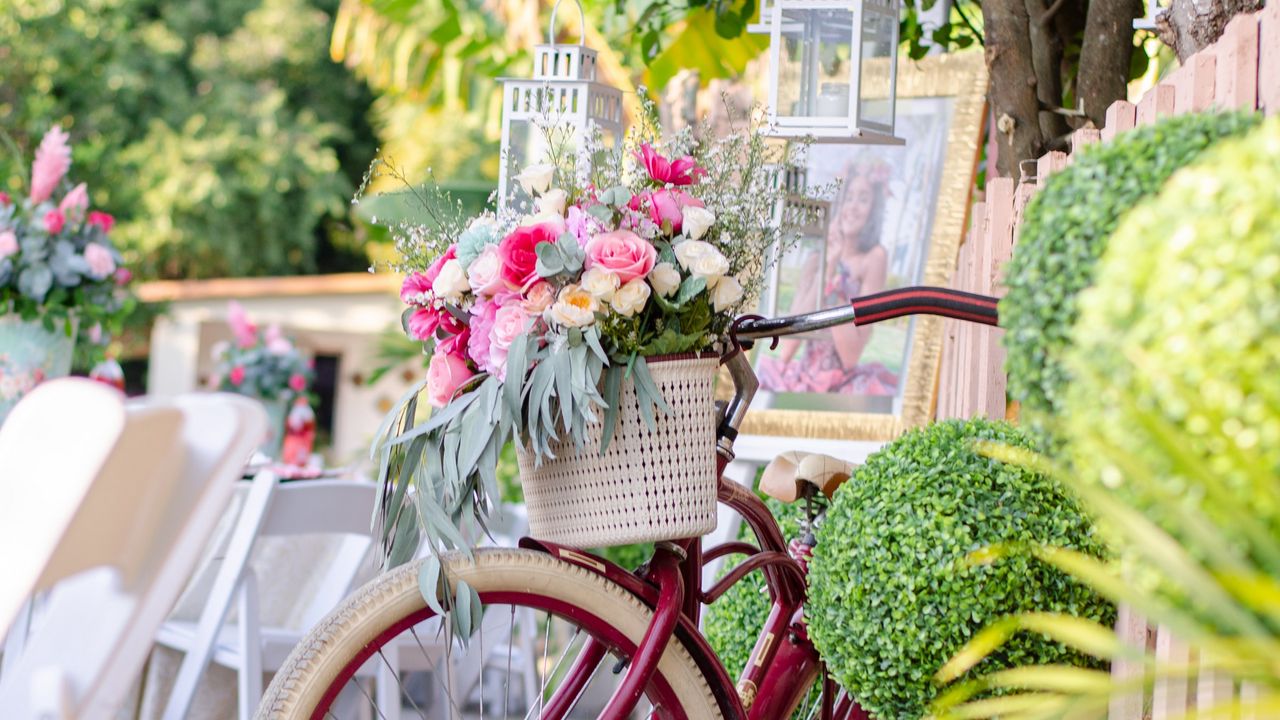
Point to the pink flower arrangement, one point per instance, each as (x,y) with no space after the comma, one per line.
(264,364)
(684,171)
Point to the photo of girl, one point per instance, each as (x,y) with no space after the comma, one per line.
(877,237)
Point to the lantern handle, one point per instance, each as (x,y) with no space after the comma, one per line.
(582,24)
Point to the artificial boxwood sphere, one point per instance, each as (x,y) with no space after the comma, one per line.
(1066,230)
(1178,352)
(893,588)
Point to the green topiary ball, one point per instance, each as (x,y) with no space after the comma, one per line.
(891,594)
(1178,351)
(1066,229)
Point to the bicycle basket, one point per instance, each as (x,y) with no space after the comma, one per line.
(648,485)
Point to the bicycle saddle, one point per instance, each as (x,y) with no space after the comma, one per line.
(786,477)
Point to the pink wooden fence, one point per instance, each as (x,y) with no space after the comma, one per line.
(1240,71)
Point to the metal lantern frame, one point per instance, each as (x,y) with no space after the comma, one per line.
(564,92)
(780,16)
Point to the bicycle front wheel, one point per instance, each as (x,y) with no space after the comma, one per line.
(382,654)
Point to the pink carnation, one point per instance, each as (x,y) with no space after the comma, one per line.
(622,253)
(445,375)
(456,344)
(103,220)
(298,382)
(54,220)
(424,322)
(236,376)
(53,160)
(415,286)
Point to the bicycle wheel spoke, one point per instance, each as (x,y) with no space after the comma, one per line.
(506,688)
(372,702)
(400,686)
(542,693)
(453,705)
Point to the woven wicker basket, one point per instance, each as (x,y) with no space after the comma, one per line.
(648,485)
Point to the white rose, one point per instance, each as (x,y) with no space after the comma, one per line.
(536,178)
(451,282)
(600,283)
(702,260)
(575,307)
(726,294)
(538,219)
(665,279)
(630,298)
(697,221)
(552,202)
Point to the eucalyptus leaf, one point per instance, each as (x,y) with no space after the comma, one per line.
(429,582)
(612,388)
(438,419)
(601,212)
(691,286)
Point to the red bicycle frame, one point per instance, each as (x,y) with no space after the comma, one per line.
(784,664)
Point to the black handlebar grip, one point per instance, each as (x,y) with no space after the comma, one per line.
(956,304)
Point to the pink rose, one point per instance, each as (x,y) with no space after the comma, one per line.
(667,206)
(519,257)
(8,243)
(684,171)
(434,270)
(236,376)
(538,297)
(298,382)
(123,276)
(485,272)
(414,288)
(445,375)
(53,221)
(5,201)
(75,203)
(277,343)
(246,332)
(482,317)
(101,264)
(509,323)
(425,320)
(622,253)
(103,220)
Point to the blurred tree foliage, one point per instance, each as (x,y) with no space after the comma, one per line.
(219,134)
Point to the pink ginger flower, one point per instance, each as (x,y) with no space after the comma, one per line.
(75,203)
(246,332)
(53,160)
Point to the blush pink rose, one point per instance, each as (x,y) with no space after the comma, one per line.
(485,272)
(622,253)
(106,221)
(483,313)
(8,243)
(519,255)
(298,382)
(445,375)
(538,297)
(53,221)
(236,376)
(667,206)
(508,324)
(101,264)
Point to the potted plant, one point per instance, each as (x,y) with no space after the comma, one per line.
(586,327)
(59,274)
(262,364)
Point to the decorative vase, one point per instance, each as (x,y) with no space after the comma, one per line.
(29,355)
(277,412)
(649,484)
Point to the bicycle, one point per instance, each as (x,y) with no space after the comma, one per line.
(647,621)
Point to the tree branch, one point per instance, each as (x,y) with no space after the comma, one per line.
(969,24)
(1104,56)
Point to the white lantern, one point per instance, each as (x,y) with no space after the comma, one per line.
(550,115)
(833,69)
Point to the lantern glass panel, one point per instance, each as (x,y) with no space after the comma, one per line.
(814,63)
(879,45)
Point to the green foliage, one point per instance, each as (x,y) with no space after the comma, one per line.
(220,135)
(1066,230)
(1177,402)
(897,585)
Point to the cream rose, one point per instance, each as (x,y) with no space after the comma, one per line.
(451,282)
(630,298)
(726,293)
(702,260)
(600,283)
(697,221)
(552,202)
(665,279)
(575,307)
(540,218)
(536,178)
(485,273)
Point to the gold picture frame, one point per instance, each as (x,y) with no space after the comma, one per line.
(961,77)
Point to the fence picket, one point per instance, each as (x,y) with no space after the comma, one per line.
(1083,138)
(1269,58)
(1132,630)
(1157,103)
(1237,76)
(1248,698)
(1120,117)
(1000,203)
(1213,687)
(1048,164)
(1169,697)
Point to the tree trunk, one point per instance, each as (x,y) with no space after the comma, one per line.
(1105,55)
(1046,60)
(1013,83)
(1189,26)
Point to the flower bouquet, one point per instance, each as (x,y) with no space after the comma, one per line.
(587,327)
(59,273)
(263,364)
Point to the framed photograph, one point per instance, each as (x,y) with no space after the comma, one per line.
(896,218)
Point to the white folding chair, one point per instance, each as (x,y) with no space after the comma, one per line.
(271,509)
(124,541)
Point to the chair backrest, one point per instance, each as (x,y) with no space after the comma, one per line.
(160,491)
